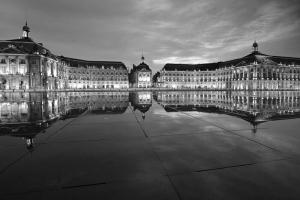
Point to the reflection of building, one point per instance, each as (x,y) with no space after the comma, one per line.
(255,106)
(25,64)
(99,102)
(141,101)
(141,75)
(254,71)
(16,108)
(95,74)
(27,114)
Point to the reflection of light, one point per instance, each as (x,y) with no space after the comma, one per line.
(144,95)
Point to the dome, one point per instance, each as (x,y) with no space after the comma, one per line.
(141,66)
(26,28)
(255,45)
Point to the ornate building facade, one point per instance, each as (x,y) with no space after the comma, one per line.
(141,75)
(82,74)
(25,64)
(256,71)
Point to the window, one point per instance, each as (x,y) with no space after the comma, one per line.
(3,61)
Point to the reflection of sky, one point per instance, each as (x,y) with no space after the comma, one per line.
(190,105)
(179,121)
(163,113)
(189,31)
(211,118)
(180,114)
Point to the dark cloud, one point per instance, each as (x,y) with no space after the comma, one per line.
(166,30)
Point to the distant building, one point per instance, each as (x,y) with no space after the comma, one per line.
(25,64)
(141,75)
(84,74)
(256,71)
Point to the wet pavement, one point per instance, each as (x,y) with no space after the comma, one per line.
(149,153)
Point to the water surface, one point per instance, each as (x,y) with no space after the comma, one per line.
(181,144)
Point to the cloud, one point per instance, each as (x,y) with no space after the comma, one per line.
(151,6)
(186,60)
(189,31)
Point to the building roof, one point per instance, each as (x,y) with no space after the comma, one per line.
(26,27)
(255,56)
(141,66)
(24,45)
(255,45)
(73,62)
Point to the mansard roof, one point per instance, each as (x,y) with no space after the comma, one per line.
(24,46)
(286,60)
(190,67)
(255,56)
(141,66)
(73,62)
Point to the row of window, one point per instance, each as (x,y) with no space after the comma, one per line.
(261,70)
(98,78)
(12,61)
(98,73)
(21,61)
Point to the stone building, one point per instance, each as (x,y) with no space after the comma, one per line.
(82,74)
(25,64)
(256,71)
(141,75)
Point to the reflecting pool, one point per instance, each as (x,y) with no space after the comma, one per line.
(181,144)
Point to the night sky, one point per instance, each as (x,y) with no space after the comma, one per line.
(176,31)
